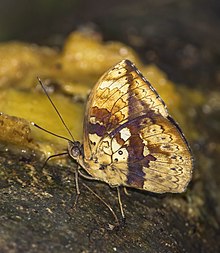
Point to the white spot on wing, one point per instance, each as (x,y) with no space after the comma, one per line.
(125,134)
(115,145)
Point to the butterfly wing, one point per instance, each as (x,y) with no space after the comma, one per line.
(129,138)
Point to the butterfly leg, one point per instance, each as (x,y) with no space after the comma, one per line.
(86,176)
(126,191)
(77,187)
(118,224)
(121,206)
(106,204)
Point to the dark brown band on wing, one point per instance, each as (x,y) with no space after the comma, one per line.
(135,176)
(103,121)
(101,115)
(96,129)
(136,158)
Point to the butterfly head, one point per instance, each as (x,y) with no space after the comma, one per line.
(75,149)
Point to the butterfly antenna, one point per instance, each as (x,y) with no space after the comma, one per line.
(61,118)
(49,132)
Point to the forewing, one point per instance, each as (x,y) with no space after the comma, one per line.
(127,127)
(111,103)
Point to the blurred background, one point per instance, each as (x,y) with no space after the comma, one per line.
(180,35)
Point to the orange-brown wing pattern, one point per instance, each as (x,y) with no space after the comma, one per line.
(129,138)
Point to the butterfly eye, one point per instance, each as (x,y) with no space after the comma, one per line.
(74,149)
(75,152)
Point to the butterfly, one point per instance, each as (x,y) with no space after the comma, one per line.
(129,139)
